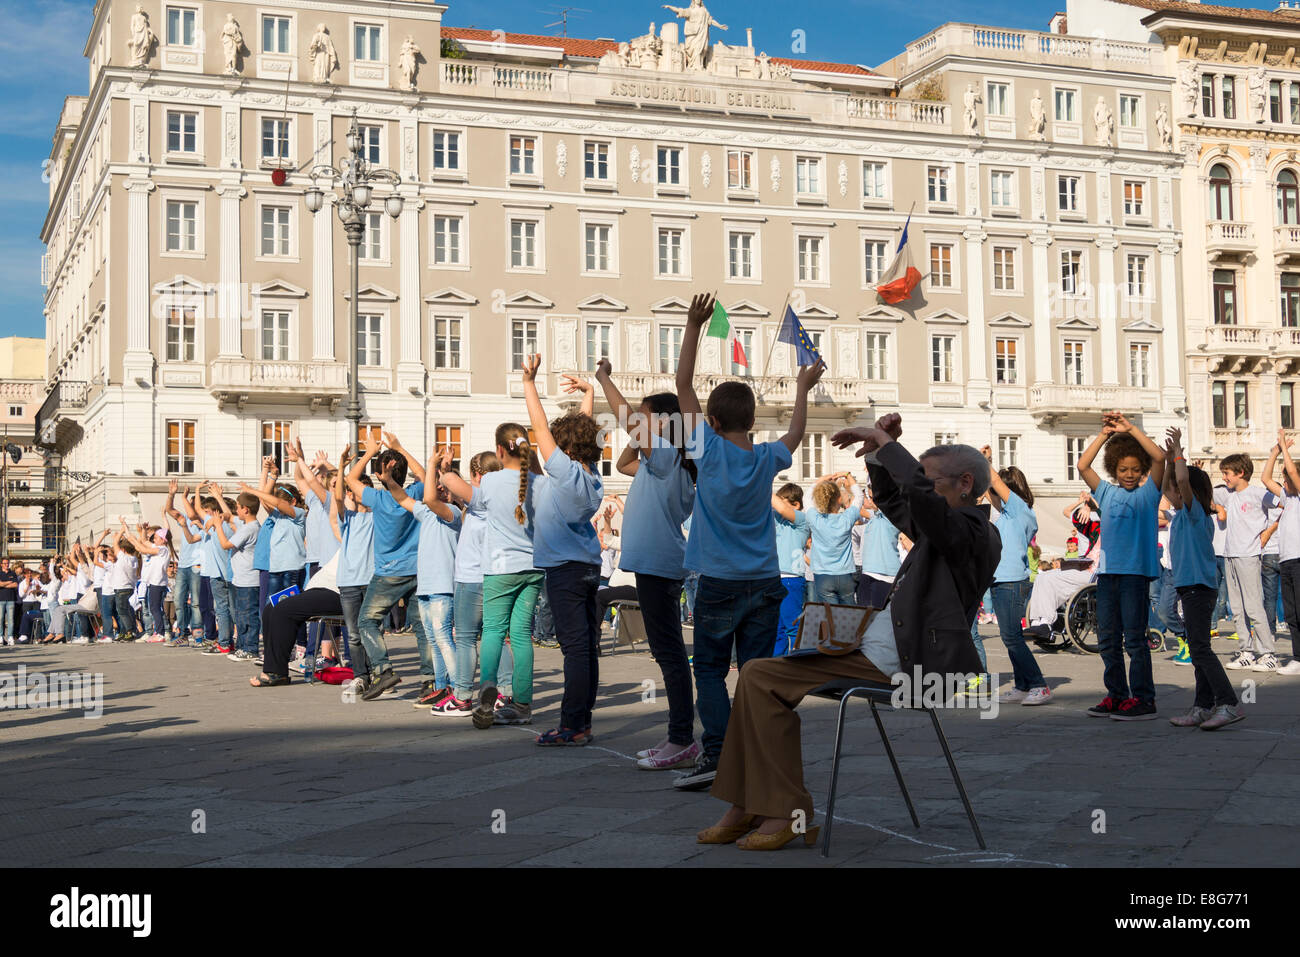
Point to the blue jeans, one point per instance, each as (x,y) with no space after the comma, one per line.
(543,620)
(467,621)
(740,615)
(206,613)
(1167,605)
(123,612)
(154,595)
(791,608)
(690,587)
(836,589)
(7,623)
(354,653)
(186,600)
(434,640)
(223,609)
(1268,565)
(1009,601)
(247,619)
(1222,609)
(1122,608)
(383,592)
(571,591)
(660,600)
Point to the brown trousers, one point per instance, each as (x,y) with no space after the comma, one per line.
(761,767)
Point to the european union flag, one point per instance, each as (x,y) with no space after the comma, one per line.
(793,332)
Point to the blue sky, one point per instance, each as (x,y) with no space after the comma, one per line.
(41,63)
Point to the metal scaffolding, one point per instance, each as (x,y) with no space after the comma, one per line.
(33,509)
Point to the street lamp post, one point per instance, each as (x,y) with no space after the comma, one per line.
(357,178)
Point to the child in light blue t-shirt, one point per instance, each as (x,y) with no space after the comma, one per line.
(1128,510)
(791,539)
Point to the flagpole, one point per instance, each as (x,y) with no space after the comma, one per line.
(772,347)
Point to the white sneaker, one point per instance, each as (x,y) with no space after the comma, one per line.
(1038,696)
(1265,663)
(1292,667)
(1244,660)
(106,640)
(83,640)
(1013,696)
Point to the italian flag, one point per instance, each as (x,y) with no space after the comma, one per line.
(720,328)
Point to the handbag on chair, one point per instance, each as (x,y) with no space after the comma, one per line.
(831,629)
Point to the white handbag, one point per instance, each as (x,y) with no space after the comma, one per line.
(832,629)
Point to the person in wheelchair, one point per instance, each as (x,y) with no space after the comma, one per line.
(1053,589)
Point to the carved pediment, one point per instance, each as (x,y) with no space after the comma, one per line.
(946,317)
(602,302)
(1142,324)
(180,286)
(374,292)
(1079,323)
(1010,320)
(815,310)
(278,288)
(527,299)
(451,296)
(747,307)
(671,304)
(882,313)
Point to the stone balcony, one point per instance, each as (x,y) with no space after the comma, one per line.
(1034,46)
(239,380)
(1286,243)
(1053,401)
(1224,238)
(846,395)
(1239,348)
(58,423)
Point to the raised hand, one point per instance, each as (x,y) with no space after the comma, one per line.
(346,455)
(444,459)
(809,376)
(372,445)
(604,368)
(292,452)
(320,461)
(391,441)
(531,366)
(173,486)
(987,452)
(1284,441)
(701,309)
(573,384)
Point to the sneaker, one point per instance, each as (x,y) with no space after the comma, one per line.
(1194,717)
(356,687)
(154,639)
(178,643)
(103,640)
(430,696)
(546,643)
(1038,632)
(452,707)
(1038,696)
(1131,709)
(651,752)
(241,656)
(1244,661)
(512,712)
(323,663)
(1222,716)
(1012,696)
(83,640)
(563,738)
(1229,635)
(386,681)
(700,777)
(217,650)
(1184,656)
(685,758)
(1266,663)
(1292,667)
(1104,708)
(486,708)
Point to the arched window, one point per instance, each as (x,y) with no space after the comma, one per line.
(1220,192)
(1288,199)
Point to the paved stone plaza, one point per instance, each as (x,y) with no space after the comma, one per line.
(295,777)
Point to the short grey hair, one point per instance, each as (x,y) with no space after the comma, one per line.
(958,460)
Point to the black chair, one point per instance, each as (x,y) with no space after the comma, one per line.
(877,693)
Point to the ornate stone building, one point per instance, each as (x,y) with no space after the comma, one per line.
(567,196)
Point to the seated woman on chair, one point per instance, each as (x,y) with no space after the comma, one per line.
(925,625)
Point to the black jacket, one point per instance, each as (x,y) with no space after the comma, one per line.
(954,554)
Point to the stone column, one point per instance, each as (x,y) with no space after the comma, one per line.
(229,300)
(322,281)
(411,376)
(1171,348)
(1043,344)
(978,387)
(1106,308)
(133,445)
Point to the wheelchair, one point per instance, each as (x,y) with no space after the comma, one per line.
(1076,624)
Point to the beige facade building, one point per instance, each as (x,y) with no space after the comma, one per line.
(28,506)
(568,196)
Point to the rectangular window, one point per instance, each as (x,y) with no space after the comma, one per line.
(808,176)
(1068,194)
(367,42)
(670,251)
(812,456)
(1139,365)
(1072,361)
(875,185)
(1275,101)
(1287,395)
(1071,271)
(1065,107)
(740,169)
(597,236)
(1219,403)
(740,256)
(446,342)
(1229,98)
(370,340)
(446,240)
(1224,289)
(1290,298)
(1207,94)
(275,138)
(446,152)
(180,446)
(1136,268)
(275,34)
(1004,268)
(523,156)
(670,347)
(945,438)
(1240,406)
(1130,111)
(1134,198)
(1002,193)
(670,166)
(1008,451)
(370,143)
(523,341)
(182,226)
(15,411)
(523,243)
(372,237)
(1293,98)
(182,132)
(596,161)
(746,339)
(181,334)
(1006,365)
(275,442)
(598,339)
(876,357)
(448,437)
(810,258)
(941,358)
(940,266)
(997,99)
(937,183)
(275,336)
(1074,446)
(874,265)
(275,230)
(180,26)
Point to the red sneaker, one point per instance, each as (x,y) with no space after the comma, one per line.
(1105,708)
